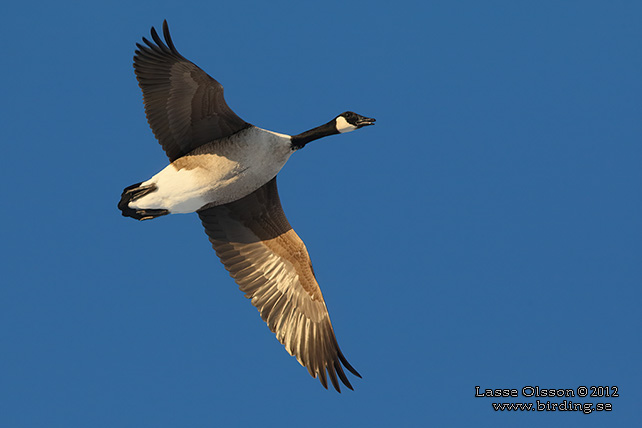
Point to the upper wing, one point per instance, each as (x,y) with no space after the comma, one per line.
(270,263)
(185,107)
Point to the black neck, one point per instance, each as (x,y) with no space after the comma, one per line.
(299,141)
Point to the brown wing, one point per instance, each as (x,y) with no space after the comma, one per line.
(271,265)
(185,107)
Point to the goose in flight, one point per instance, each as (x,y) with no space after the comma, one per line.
(224,169)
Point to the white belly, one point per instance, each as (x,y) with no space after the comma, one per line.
(218,173)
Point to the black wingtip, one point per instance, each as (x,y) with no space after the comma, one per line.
(157,38)
(167,45)
(333,378)
(324,382)
(168,38)
(166,30)
(147,42)
(347,365)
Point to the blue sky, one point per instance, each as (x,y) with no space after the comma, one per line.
(486,232)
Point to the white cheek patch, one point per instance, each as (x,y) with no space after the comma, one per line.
(343,126)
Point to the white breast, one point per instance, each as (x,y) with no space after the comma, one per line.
(219,172)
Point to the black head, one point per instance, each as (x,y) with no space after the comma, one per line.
(349,121)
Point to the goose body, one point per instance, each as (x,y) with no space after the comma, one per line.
(224,169)
(219,172)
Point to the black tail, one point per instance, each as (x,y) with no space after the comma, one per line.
(134,192)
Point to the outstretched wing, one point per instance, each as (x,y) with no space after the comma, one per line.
(271,265)
(185,107)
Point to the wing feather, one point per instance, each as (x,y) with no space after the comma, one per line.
(271,265)
(185,107)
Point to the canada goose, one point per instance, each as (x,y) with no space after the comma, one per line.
(225,169)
